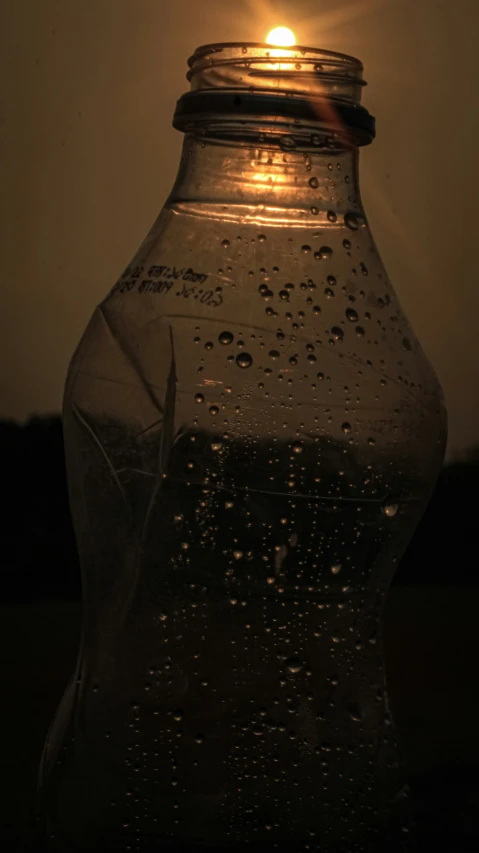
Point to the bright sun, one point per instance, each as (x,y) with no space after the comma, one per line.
(281,37)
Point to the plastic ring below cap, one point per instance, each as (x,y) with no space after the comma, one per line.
(246,104)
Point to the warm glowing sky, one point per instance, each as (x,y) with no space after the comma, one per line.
(88,156)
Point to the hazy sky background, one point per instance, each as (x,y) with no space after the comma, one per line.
(88,156)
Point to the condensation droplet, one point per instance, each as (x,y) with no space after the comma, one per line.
(390,508)
(336,568)
(346,428)
(199,398)
(332,216)
(294,665)
(297,447)
(214,410)
(352,221)
(287,142)
(352,315)
(225,244)
(325,252)
(314,183)
(225,338)
(355,712)
(244,360)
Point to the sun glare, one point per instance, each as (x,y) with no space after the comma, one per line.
(281,37)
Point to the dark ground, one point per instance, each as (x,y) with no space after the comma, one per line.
(432,639)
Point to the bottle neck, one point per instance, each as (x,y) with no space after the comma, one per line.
(239,180)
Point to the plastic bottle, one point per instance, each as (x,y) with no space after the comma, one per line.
(252,433)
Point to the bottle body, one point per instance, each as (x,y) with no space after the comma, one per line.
(252,434)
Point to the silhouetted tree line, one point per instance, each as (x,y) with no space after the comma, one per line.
(40,557)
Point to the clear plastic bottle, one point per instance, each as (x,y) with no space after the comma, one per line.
(252,433)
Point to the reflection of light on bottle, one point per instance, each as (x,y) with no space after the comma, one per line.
(281,37)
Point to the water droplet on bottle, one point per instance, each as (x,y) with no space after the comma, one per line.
(283,294)
(297,447)
(225,338)
(225,244)
(293,359)
(273,353)
(407,344)
(243,359)
(347,244)
(216,445)
(199,739)
(332,216)
(337,333)
(325,252)
(237,555)
(214,410)
(346,428)
(390,508)
(209,345)
(315,211)
(199,398)
(178,715)
(352,315)
(294,665)
(352,221)
(261,238)
(332,280)
(287,142)
(314,183)
(336,568)
(355,712)
(360,331)
(320,376)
